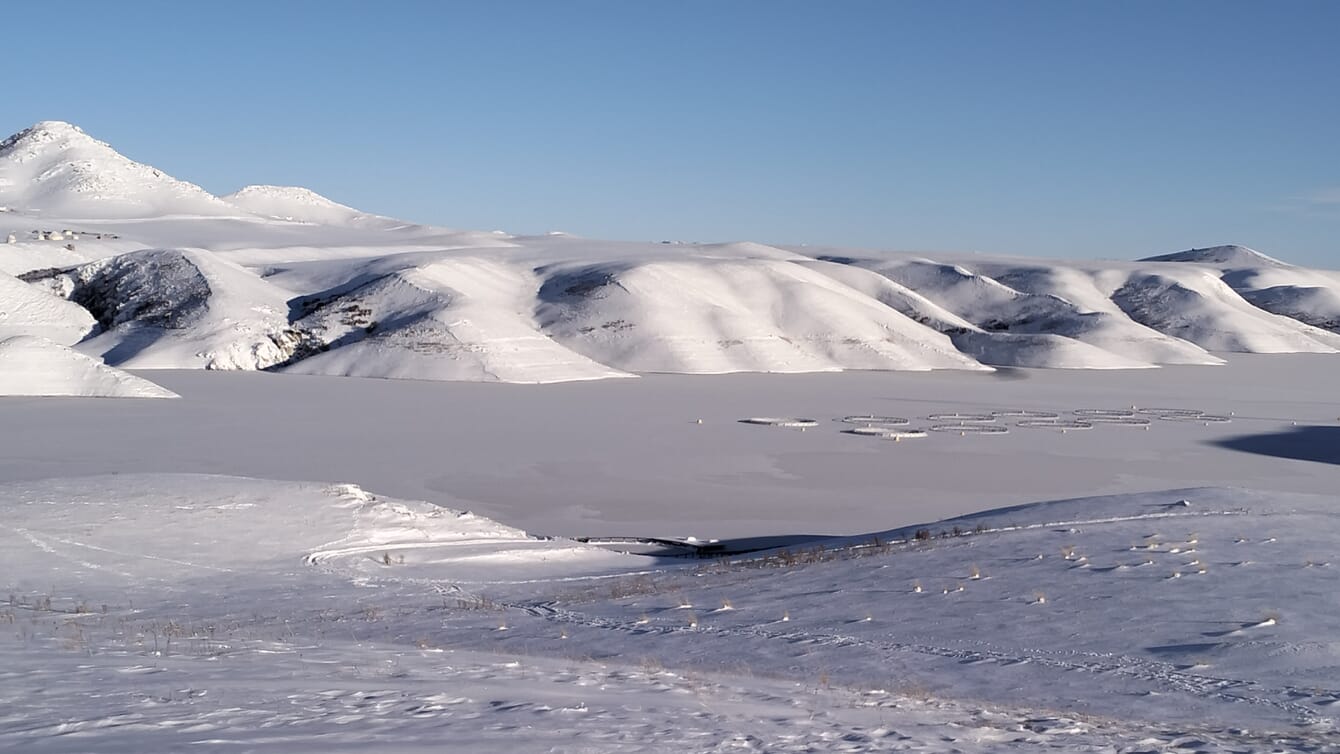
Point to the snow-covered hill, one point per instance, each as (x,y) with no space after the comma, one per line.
(302,205)
(1030,316)
(30,365)
(1194,304)
(281,277)
(464,318)
(1230,255)
(710,315)
(179,309)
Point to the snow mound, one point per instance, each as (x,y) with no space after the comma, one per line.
(56,169)
(1230,255)
(717,315)
(180,309)
(455,319)
(28,310)
(36,366)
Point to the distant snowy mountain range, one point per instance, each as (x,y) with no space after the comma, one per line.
(135,268)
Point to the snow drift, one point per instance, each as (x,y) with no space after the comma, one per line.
(28,310)
(35,366)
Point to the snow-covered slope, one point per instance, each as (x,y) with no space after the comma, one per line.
(1029,322)
(179,309)
(1309,296)
(29,310)
(1314,305)
(1096,319)
(708,315)
(56,170)
(464,318)
(1194,304)
(31,365)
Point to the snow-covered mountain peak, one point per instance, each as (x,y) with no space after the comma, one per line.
(46,132)
(1230,254)
(56,169)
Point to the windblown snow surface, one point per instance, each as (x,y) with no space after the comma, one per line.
(878,574)
(322,616)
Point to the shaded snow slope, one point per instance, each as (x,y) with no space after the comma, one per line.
(56,169)
(29,310)
(708,315)
(36,366)
(179,309)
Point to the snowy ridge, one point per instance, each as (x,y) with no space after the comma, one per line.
(35,366)
(552,310)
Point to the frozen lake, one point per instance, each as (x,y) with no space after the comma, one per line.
(627,457)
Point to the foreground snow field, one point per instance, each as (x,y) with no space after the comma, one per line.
(322,617)
(882,574)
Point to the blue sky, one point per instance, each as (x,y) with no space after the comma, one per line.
(1085,129)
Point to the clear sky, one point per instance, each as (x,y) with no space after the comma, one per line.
(1075,128)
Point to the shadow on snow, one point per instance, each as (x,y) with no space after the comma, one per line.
(1320,444)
